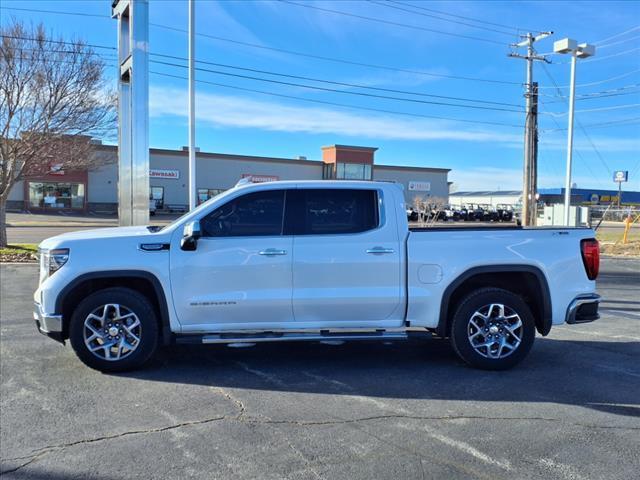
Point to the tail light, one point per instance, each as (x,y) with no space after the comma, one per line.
(590,249)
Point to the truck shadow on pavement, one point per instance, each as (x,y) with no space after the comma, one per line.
(599,375)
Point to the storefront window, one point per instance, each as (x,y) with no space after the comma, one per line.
(353,171)
(205,194)
(52,196)
(157,194)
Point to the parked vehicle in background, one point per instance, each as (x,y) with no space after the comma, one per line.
(412,215)
(152,206)
(311,261)
(505,213)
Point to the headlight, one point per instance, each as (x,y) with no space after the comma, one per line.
(51,261)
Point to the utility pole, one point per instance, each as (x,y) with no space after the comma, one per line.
(533,180)
(530,137)
(192,106)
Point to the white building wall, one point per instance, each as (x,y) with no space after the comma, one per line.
(223,173)
(437,180)
(103,184)
(492,200)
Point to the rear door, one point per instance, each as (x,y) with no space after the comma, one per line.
(346,258)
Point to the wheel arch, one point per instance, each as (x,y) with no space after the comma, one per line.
(141,281)
(526,280)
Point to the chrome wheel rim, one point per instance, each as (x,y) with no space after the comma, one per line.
(495,331)
(112,332)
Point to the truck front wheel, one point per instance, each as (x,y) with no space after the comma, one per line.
(114,330)
(492,329)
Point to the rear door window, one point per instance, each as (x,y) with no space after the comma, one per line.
(326,211)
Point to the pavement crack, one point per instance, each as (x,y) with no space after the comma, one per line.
(304,423)
(240,406)
(242,418)
(35,455)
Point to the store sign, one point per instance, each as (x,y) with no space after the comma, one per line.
(261,178)
(169,174)
(595,198)
(620,176)
(420,186)
(56,169)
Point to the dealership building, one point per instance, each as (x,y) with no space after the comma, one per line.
(96,190)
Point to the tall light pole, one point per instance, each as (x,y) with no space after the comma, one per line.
(584,50)
(192,106)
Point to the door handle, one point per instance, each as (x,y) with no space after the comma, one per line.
(269,252)
(379,250)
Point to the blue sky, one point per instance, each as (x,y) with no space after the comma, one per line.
(481,156)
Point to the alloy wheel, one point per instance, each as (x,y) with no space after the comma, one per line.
(112,332)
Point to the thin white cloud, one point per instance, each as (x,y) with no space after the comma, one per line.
(230,111)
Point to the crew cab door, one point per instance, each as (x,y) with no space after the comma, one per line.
(239,276)
(346,258)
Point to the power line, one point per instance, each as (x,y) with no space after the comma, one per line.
(610,90)
(61,42)
(390,22)
(421,7)
(325,102)
(622,121)
(293,52)
(584,131)
(614,107)
(598,95)
(599,82)
(335,90)
(604,40)
(396,7)
(619,42)
(79,14)
(354,85)
(333,82)
(597,59)
(339,60)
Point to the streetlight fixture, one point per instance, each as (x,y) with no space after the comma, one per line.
(584,50)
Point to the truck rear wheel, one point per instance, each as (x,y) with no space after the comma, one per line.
(492,329)
(114,330)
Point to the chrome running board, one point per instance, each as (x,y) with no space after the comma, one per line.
(322,336)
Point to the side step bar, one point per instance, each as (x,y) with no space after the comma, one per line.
(321,336)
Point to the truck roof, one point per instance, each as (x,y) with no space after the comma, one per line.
(245,182)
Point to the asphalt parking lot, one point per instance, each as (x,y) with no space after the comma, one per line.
(571,410)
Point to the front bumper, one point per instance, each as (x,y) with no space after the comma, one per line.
(48,324)
(583,309)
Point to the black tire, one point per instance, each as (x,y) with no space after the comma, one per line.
(462,328)
(133,302)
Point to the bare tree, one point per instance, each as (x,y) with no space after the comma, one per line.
(53,100)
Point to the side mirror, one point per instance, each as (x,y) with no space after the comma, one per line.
(190,235)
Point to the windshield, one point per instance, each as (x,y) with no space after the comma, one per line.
(199,208)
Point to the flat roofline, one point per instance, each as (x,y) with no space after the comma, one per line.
(493,193)
(410,168)
(350,147)
(234,156)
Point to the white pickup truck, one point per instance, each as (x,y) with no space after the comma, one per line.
(315,261)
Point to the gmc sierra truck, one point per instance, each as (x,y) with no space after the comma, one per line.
(315,261)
